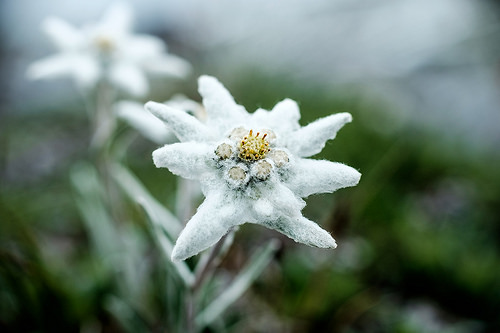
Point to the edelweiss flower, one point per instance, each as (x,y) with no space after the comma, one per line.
(252,167)
(108,50)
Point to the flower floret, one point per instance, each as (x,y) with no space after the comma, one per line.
(252,147)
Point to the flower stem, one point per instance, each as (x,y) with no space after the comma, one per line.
(208,266)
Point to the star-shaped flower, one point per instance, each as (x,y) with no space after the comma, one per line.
(107,49)
(253,167)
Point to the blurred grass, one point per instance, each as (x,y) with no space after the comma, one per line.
(422,227)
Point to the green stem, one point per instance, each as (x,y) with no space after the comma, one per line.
(207,269)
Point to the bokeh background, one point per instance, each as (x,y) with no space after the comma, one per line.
(419,237)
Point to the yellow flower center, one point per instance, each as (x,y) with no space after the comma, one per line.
(253,147)
(104,43)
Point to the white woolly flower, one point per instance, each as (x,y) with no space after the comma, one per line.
(151,127)
(106,49)
(253,167)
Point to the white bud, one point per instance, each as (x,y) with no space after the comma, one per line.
(224,151)
(279,157)
(262,169)
(238,133)
(236,173)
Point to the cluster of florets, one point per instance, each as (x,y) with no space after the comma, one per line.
(252,147)
(247,157)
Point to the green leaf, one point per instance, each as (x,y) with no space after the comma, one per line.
(95,215)
(126,315)
(240,284)
(165,243)
(136,191)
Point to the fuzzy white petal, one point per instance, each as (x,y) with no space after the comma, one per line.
(263,208)
(117,18)
(51,67)
(185,126)
(169,65)
(214,218)
(142,48)
(144,122)
(310,140)
(187,159)
(130,78)
(284,200)
(220,105)
(302,231)
(284,117)
(308,176)
(62,34)
(83,69)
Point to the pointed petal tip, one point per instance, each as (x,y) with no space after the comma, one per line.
(334,245)
(177,255)
(342,118)
(206,79)
(355,177)
(326,242)
(210,86)
(347,117)
(183,250)
(350,176)
(159,110)
(152,106)
(158,157)
(289,101)
(322,239)
(288,104)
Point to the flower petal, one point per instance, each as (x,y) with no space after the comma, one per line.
(83,69)
(62,34)
(144,122)
(117,18)
(185,126)
(310,139)
(220,105)
(284,117)
(51,67)
(169,65)
(301,230)
(130,78)
(216,215)
(187,159)
(142,47)
(284,200)
(309,176)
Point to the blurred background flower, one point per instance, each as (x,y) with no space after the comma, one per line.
(418,237)
(106,50)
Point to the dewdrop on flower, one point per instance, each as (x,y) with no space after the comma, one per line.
(253,167)
(107,49)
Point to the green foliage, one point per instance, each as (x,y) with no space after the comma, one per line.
(418,237)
